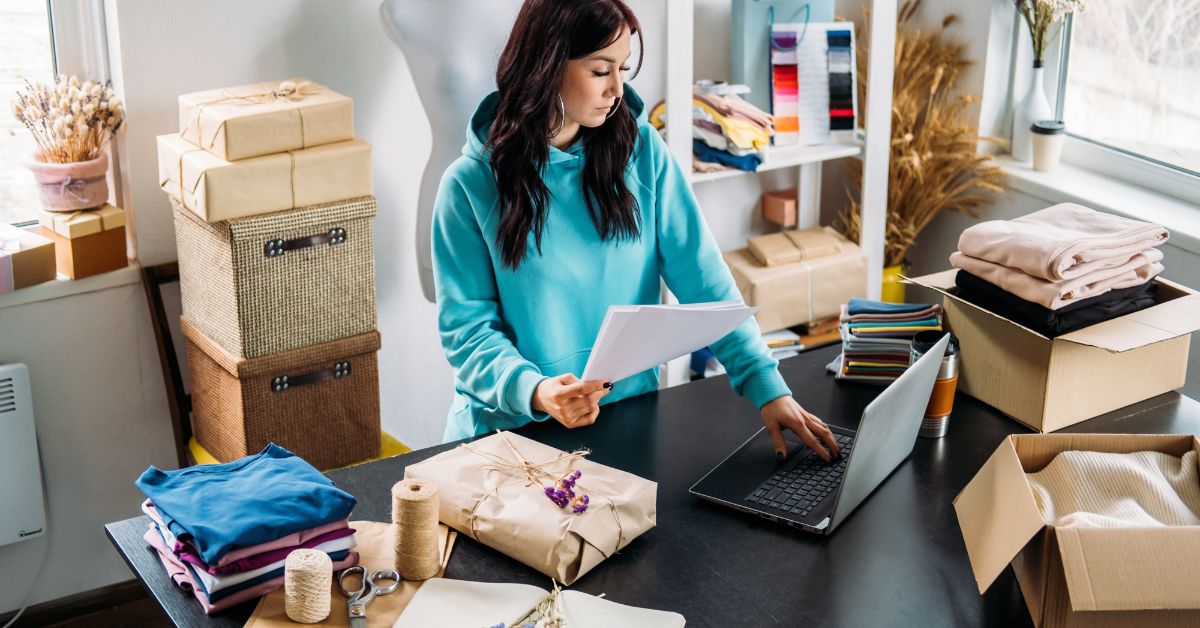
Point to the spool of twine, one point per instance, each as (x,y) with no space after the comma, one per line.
(415,519)
(307,581)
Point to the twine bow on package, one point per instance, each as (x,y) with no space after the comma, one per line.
(554,511)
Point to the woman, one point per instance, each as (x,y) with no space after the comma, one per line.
(565,201)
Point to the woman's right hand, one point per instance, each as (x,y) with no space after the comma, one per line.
(571,402)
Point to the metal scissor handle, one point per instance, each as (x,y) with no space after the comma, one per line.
(370,585)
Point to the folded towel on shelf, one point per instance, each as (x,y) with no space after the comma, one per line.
(1062,242)
(1141,268)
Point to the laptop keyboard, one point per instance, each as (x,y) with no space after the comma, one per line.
(803,482)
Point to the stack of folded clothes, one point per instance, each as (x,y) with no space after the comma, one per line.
(876,337)
(1061,268)
(224,531)
(727,131)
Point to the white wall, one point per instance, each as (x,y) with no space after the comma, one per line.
(101,415)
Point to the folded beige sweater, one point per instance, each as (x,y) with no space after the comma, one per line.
(1061,242)
(1095,489)
(1053,295)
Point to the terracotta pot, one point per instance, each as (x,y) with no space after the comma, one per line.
(71,186)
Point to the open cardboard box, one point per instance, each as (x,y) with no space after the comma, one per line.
(1076,576)
(1048,384)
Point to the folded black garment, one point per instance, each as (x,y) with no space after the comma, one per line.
(1051,323)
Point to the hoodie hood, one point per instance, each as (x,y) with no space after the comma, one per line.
(485,113)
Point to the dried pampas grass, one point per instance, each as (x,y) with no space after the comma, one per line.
(935,164)
(70,121)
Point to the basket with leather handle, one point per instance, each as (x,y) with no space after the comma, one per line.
(320,402)
(274,282)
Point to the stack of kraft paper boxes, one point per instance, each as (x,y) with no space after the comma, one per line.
(273,210)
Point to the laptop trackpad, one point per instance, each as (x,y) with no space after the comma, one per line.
(761,451)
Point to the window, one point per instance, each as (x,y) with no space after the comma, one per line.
(25,52)
(1132,89)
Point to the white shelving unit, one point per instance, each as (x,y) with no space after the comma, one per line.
(873,147)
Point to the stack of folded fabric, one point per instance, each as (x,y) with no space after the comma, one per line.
(877,336)
(727,131)
(224,531)
(1061,268)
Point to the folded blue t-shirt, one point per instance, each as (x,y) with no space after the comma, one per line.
(867,306)
(246,502)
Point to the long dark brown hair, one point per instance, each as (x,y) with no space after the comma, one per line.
(546,35)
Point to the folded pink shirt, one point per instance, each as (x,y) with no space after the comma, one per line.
(1138,270)
(179,573)
(294,540)
(1062,242)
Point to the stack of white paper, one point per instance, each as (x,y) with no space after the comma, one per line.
(634,338)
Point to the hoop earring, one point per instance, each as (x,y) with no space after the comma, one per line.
(614,109)
(562,117)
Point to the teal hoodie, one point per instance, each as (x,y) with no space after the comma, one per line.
(505,330)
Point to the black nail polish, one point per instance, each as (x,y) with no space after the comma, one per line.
(779,456)
(608,384)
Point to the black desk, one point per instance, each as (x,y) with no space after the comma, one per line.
(898,561)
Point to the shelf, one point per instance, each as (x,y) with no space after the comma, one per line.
(777,157)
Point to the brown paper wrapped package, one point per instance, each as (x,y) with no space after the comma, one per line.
(251,120)
(503,510)
(375,549)
(800,292)
(217,190)
(793,246)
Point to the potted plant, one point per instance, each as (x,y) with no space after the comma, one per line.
(71,123)
(935,163)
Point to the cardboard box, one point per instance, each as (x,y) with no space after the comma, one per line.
(87,242)
(1076,576)
(806,291)
(779,207)
(795,245)
(218,190)
(1048,384)
(26,258)
(247,121)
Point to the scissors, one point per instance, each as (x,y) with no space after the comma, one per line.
(367,590)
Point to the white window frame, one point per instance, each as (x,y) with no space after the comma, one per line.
(1109,161)
(79,45)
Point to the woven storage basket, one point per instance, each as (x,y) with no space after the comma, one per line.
(320,402)
(270,283)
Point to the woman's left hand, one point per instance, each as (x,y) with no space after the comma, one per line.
(785,414)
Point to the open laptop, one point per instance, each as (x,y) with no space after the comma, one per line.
(805,492)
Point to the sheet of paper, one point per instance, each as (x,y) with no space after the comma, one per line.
(581,610)
(460,603)
(635,338)
(443,602)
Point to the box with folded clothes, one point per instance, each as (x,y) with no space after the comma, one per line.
(813,285)
(86,242)
(1063,315)
(276,282)
(1049,383)
(1100,529)
(320,401)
